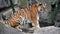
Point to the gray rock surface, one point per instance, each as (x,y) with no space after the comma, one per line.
(5,14)
(57,21)
(48,30)
(3,3)
(8,30)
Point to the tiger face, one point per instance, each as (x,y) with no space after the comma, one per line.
(41,6)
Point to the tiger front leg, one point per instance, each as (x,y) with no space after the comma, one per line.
(18,28)
(36,25)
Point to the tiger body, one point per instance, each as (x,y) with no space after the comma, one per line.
(27,13)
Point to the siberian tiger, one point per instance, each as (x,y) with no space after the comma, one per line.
(30,13)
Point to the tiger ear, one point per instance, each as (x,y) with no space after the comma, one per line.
(44,4)
(38,4)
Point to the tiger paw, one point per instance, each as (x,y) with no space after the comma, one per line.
(20,30)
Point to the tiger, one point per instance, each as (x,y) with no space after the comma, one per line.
(30,12)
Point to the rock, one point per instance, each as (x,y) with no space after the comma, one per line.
(48,30)
(3,3)
(8,30)
(7,14)
(57,21)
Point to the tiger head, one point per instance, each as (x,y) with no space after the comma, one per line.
(41,6)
